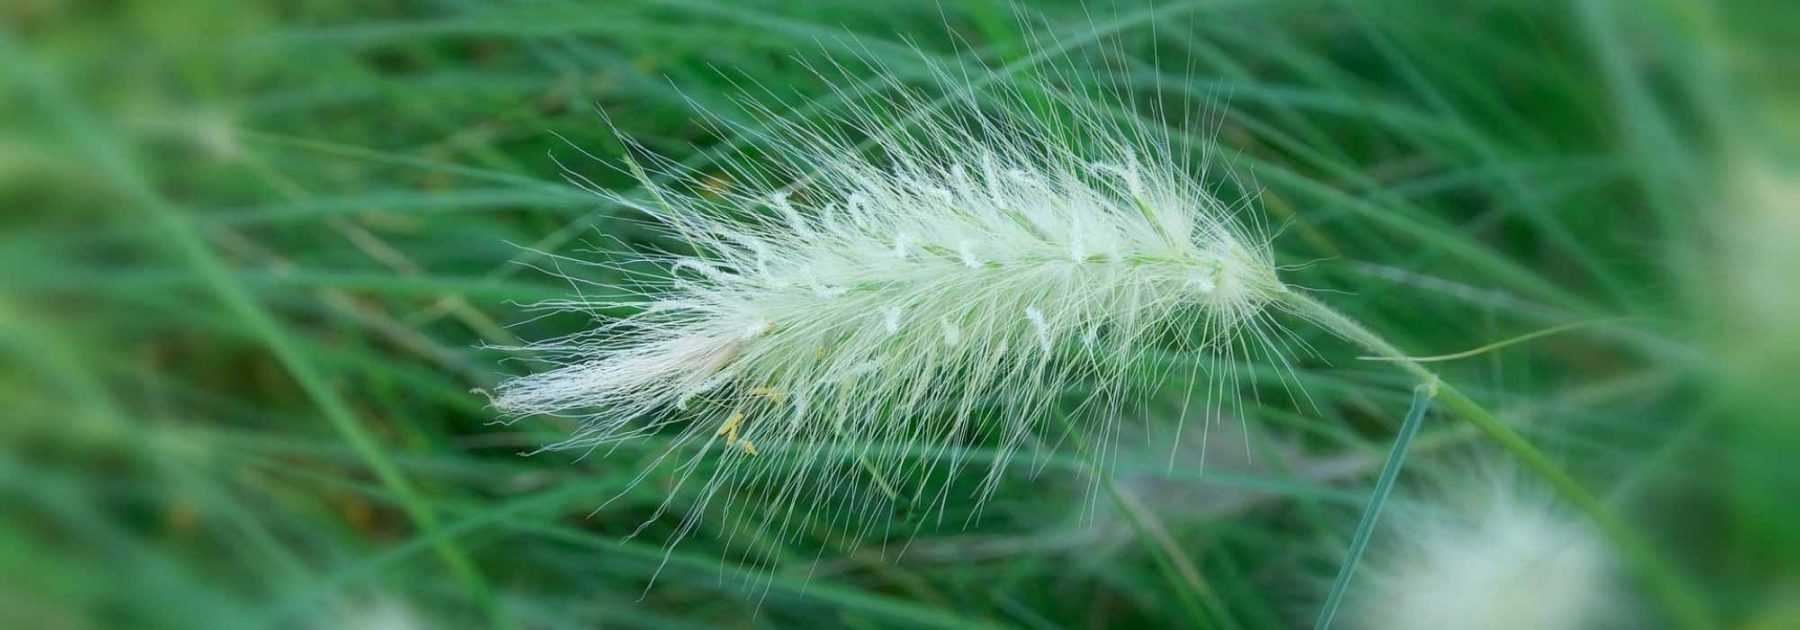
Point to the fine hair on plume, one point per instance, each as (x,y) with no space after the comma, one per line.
(856,314)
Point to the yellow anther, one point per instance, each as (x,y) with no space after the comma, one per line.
(730,428)
(747,446)
(774,395)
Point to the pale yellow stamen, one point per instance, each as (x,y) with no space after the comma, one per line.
(774,395)
(732,423)
(730,428)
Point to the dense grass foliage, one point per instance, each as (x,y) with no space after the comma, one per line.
(255,256)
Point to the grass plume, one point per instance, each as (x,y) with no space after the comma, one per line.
(944,286)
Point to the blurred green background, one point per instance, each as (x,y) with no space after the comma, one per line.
(252,254)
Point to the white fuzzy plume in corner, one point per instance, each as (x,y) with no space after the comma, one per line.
(940,285)
(1486,555)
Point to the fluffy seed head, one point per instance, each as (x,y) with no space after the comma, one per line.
(910,277)
(1488,556)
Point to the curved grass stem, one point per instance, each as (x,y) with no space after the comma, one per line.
(1683,603)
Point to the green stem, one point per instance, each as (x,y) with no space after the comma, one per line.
(1384,485)
(1688,608)
(1198,600)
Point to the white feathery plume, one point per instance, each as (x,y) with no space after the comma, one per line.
(378,615)
(941,285)
(1486,554)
